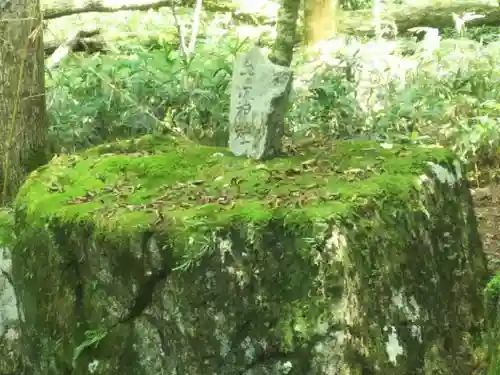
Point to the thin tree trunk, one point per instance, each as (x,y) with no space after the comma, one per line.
(282,54)
(286,29)
(23,119)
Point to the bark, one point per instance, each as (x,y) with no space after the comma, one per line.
(282,54)
(23,119)
(286,30)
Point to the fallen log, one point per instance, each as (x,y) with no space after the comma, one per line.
(439,16)
(64,8)
(78,41)
(83,44)
(93,41)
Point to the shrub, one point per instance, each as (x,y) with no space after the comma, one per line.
(444,93)
(92,100)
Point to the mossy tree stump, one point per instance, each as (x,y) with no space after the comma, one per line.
(158,256)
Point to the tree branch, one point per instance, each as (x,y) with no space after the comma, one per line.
(58,9)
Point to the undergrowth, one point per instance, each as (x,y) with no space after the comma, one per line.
(446,93)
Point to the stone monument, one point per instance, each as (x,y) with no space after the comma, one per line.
(259,93)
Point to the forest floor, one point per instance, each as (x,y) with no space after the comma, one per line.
(487,205)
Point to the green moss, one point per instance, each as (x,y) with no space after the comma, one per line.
(178,187)
(6,226)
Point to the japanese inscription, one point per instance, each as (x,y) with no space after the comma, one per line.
(256,85)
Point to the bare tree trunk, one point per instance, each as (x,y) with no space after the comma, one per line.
(23,119)
(286,30)
(319,20)
(282,54)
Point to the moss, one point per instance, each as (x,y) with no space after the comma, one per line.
(181,188)
(6,226)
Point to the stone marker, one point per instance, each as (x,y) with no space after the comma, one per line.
(259,93)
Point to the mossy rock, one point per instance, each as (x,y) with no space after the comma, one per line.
(157,254)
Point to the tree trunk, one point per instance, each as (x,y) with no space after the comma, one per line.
(319,20)
(286,30)
(23,120)
(282,54)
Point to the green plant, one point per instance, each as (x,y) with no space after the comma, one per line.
(122,95)
(444,93)
(492,306)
